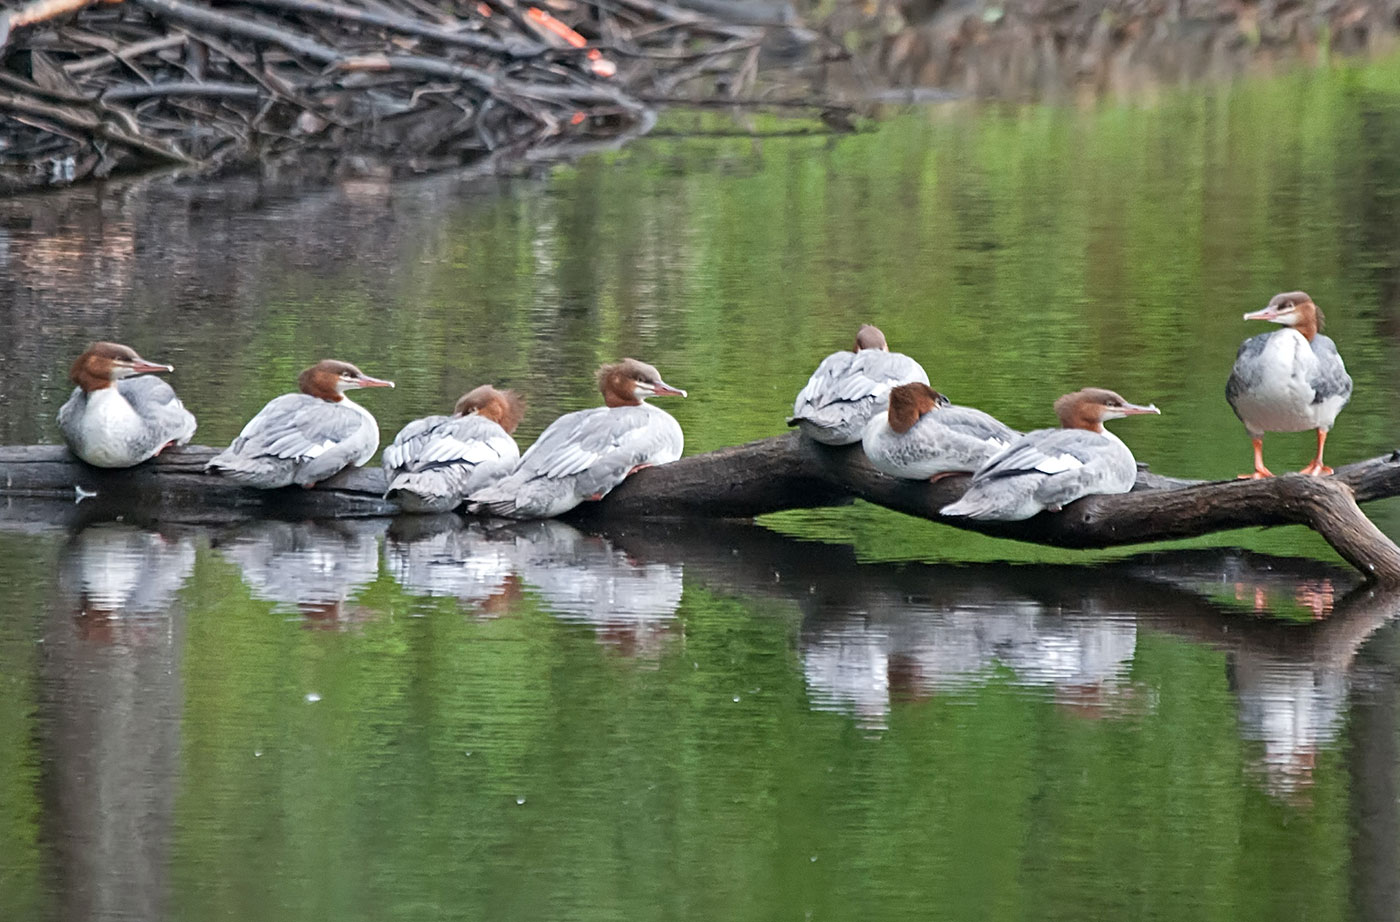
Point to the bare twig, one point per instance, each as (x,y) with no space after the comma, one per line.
(122,53)
(517,48)
(217,90)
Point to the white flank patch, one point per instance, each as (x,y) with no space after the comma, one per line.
(1059,464)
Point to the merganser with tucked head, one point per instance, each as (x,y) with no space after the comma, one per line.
(924,437)
(1289,380)
(305,438)
(583,455)
(1050,468)
(436,462)
(115,418)
(849,388)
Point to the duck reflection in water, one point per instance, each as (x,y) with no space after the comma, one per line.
(313,568)
(1292,710)
(891,649)
(439,557)
(111,718)
(630,603)
(123,580)
(1290,677)
(878,637)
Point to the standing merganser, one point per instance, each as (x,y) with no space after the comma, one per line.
(1049,468)
(438,461)
(305,438)
(924,437)
(1289,380)
(114,419)
(849,388)
(583,455)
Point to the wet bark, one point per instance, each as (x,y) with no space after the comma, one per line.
(770,475)
(780,473)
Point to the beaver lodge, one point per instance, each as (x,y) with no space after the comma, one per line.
(89,89)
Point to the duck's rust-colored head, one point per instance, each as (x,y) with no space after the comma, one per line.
(505,408)
(1292,309)
(628,382)
(909,402)
(1092,406)
(329,379)
(104,364)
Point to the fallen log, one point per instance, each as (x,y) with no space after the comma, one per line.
(770,475)
(175,488)
(791,472)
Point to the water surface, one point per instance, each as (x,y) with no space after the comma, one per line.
(839,713)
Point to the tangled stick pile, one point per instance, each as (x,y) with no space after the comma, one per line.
(91,87)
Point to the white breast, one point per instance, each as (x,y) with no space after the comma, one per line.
(108,428)
(1281,399)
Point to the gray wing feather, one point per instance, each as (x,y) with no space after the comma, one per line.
(849,377)
(1112,471)
(410,443)
(154,401)
(298,438)
(973,422)
(438,441)
(1247,371)
(298,426)
(582,454)
(71,406)
(603,443)
(1331,379)
(1045,451)
(435,463)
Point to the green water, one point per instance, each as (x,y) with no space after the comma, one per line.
(844,714)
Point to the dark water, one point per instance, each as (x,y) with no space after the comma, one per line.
(837,714)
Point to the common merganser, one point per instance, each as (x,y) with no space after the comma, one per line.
(436,462)
(1050,468)
(583,455)
(924,437)
(305,438)
(849,388)
(116,419)
(1289,380)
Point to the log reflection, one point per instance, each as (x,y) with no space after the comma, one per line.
(110,713)
(1070,632)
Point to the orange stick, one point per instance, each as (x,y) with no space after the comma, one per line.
(554,26)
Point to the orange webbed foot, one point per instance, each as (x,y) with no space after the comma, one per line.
(1316,469)
(1257,475)
(942,474)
